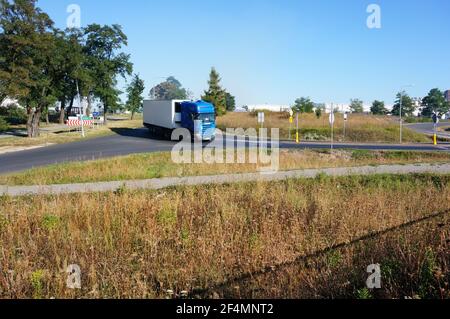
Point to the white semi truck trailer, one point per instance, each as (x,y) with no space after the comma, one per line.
(162,117)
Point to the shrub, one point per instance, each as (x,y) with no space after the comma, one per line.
(3,125)
(14,115)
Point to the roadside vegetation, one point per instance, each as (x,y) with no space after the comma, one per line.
(360,127)
(54,134)
(159,165)
(186,241)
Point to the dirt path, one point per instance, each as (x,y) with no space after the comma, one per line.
(219,179)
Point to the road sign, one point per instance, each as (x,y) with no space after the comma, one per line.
(261,117)
(435,119)
(331,118)
(345,116)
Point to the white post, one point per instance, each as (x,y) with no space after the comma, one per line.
(81,111)
(401,120)
(345,124)
(332,125)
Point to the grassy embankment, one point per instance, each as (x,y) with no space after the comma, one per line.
(360,128)
(149,244)
(64,136)
(158,165)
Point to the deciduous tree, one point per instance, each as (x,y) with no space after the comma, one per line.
(303,105)
(378,108)
(27,51)
(171,89)
(435,103)
(106,62)
(134,93)
(356,106)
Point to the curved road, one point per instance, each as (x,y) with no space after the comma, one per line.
(132,141)
(428,128)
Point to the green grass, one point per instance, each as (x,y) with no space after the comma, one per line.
(159,165)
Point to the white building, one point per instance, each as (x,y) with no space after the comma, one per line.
(269,107)
(9,102)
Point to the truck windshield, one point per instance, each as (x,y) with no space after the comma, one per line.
(205,117)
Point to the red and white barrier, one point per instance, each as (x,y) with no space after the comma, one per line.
(74,123)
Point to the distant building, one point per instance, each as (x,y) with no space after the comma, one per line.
(268,107)
(447,95)
(9,102)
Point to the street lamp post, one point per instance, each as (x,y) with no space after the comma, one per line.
(401,120)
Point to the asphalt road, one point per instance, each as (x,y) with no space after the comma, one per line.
(134,141)
(428,128)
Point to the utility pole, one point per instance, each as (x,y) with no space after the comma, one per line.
(332,126)
(81,111)
(291,120)
(345,124)
(401,120)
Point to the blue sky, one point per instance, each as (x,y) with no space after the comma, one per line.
(271,51)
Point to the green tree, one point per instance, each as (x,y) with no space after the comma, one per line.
(408,106)
(215,94)
(134,92)
(105,62)
(356,106)
(435,103)
(70,69)
(3,94)
(303,105)
(231,102)
(171,89)
(378,108)
(27,52)
(318,113)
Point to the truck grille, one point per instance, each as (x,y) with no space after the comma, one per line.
(206,127)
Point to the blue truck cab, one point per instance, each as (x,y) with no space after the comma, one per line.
(199,118)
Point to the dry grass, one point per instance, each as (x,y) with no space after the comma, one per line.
(158,165)
(360,127)
(67,137)
(140,244)
(342,272)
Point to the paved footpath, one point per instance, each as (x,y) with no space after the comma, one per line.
(220,179)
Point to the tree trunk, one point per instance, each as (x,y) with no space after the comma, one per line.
(47,119)
(33,119)
(89,107)
(132,115)
(105,115)
(30,112)
(62,113)
(69,110)
(35,123)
